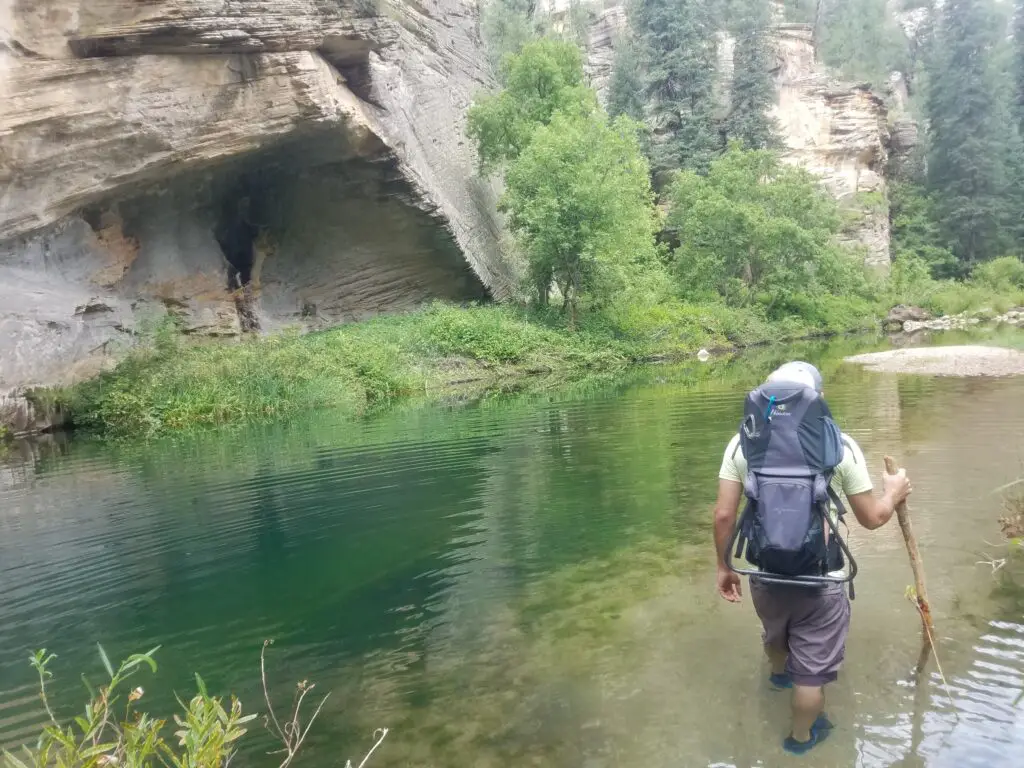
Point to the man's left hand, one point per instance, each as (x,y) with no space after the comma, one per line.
(729,586)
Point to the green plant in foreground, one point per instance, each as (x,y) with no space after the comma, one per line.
(112,732)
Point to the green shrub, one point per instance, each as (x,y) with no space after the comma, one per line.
(953,298)
(114,732)
(1003,274)
(490,335)
(910,280)
(826,313)
(206,736)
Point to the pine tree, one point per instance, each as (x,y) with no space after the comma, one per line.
(861,40)
(752,92)
(626,89)
(680,54)
(1018,63)
(800,11)
(971,132)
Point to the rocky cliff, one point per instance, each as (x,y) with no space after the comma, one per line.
(239,163)
(838,131)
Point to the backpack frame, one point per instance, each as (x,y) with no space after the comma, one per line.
(792,447)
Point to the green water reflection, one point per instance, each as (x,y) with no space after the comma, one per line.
(524,579)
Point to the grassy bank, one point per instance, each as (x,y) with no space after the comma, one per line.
(172,382)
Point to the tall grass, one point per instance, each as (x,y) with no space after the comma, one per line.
(175,382)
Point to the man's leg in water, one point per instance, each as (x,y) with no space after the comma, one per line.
(808,703)
(817,645)
(776,657)
(773,610)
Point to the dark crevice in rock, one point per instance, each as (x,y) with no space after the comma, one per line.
(236,233)
(358,78)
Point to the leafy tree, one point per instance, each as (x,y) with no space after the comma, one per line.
(752,92)
(580,202)
(544,78)
(755,229)
(679,41)
(626,89)
(969,126)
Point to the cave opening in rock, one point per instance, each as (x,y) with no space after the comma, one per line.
(237,231)
(236,234)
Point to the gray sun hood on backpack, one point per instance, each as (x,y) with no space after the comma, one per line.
(792,447)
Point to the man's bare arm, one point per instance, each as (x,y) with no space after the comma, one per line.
(873,513)
(728,502)
(725,515)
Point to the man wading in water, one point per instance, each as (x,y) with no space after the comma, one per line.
(800,597)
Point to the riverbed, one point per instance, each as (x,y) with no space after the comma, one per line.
(522,580)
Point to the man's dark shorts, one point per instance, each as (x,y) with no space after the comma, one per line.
(811,623)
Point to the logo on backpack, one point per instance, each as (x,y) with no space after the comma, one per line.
(792,448)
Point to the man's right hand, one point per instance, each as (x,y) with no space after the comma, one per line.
(896,487)
(729,585)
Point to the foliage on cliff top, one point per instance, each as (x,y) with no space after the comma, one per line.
(545,78)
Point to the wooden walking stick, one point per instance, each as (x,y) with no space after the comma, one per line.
(920,596)
(920,590)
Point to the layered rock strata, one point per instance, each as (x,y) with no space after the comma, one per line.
(242,164)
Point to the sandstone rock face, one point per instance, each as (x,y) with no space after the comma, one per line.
(601,40)
(903,145)
(77,131)
(232,162)
(838,132)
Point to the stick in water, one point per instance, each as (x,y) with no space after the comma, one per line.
(920,594)
(921,591)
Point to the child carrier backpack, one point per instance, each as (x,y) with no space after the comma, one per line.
(792,448)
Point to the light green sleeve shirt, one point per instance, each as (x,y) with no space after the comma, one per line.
(850,478)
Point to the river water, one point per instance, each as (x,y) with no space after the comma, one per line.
(526,580)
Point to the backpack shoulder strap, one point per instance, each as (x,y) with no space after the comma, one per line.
(836,500)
